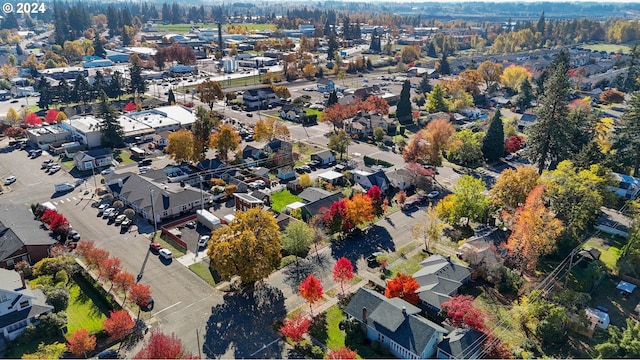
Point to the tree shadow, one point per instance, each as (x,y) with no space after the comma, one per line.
(377,238)
(243,323)
(295,274)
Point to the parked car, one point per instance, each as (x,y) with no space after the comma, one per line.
(313,164)
(434,194)
(120,219)
(107,213)
(46,163)
(372,259)
(114,214)
(306,168)
(54,169)
(102,208)
(260,183)
(191,224)
(154,246)
(10,180)
(509,157)
(203,241)
(108,354)
(126,223)
(74,235)
(145,162)
(106,171)
(166,254)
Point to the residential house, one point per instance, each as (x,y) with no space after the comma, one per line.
(320,206)
(152,194)
(245,202)
(396,324)
(439,280)
(20,306)
(286,173)
(461,344)
(262,196)
(500,101)
(331,177)
(292,113)
(526,120)
(399,178)
(325,85)
(162,139)
(368,180)
(482,249)
(92,159)
(624,185)
(261,98)
(21,237)
(324,157)
(312,194)
(363,124)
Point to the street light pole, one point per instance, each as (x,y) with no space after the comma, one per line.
(201,193)
(155,228)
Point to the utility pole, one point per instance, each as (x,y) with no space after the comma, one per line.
(155,228)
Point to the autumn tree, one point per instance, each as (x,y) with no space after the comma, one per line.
(269,129)
(335,115)
(535,231)
(513,186)
(80,342)
(210,91)
(342,353)
(436,100)
(429,229)
(297,238)
(13,117)
(612,96)
(549,137)
(513,76)
(123,281)
(311,290)
(342,272)
(461,311)
(224,140)
(376,104)
(296,327)
(493,143)
(513,144)
(339,142)
(181,145)
(467,201)
(161,346)
(360,209)
(140,294)
(403,286)
(336,219)
(118,324)
(490,72)
(109,268)
(465,147)
(94,257)
(14,132)
(51,116)
(254,231)
(32,120)
(305,180)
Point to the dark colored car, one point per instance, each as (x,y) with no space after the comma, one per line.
(372,259)
(145,162)
(108,354)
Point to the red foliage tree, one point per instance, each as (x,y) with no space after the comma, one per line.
(139,294)
(336,219)
(94,256)
(32,120)
(108,268)
(375,195)
(48,216)
(335,114)
(377,104)
(161,346)
(403,286)
(51,116)
(342,271)
(81,342)
(118,324)
(462,312)
(129,107)
(83,247)
(295,328)
(342,353)
(14,132)
(513,144)
(58,221)
(123,281)
(311,290)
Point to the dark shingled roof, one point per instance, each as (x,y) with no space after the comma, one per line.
(409,330)
(462,344)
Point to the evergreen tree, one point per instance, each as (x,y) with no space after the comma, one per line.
(81,89)
(630,83)
(525,96)
(46,93)
(431,50)
(444,68)
(99,85)
(19,50)
(171,97)
(116,85)
(403,111)
(541,23)
(375,46)
(333,98)
(493,143)
(550,136)
(137,83)
(63,91)
(98,48)
(112,133)
(202,128)
(627,141)
(425,86)
(327,28)
(9,22)
(333,46)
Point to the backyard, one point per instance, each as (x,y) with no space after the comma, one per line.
(283,198)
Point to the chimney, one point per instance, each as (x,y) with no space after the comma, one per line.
(24,284)
(449,259)
(404,310)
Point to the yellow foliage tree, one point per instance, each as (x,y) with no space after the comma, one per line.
(513,76)
(61,117)
(269,129)
(224,140)
(248,247)
(13,117)
(181,145)
(511,189)
(360,209)
(603,130)
(309,70)
(429,229)
(7,71)
(490,72)
(305,180)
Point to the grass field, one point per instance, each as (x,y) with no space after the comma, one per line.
(204,272)
(86,309)
(283,198)
(410,265)
(318,113)
(609,47)
(611,248)
(183,28)
(125,157)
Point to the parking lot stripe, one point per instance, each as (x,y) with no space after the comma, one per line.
(74,198)
(61,201)
(167,308)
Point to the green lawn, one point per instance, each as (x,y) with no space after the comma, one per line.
(125,157)
(609,47)
(410,265)
(611,248)
(86,309)
(169,244)
(283,198)
(204,272)
(318,113)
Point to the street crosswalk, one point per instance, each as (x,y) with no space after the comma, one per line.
(62,201)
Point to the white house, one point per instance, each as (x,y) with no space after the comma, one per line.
(601,318)
(19,305)
(396,324)
(368,180)
(92,159)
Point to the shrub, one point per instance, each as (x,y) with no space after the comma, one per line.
(371,161)
(309,350)
(287,260)
(61,277)
(58,297)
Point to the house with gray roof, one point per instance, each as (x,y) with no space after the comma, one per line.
(93,159)
(20,306)
(396,324)
(21,237)
(461,344)
(439,280)
(312,194)
(368,180)
(319,206)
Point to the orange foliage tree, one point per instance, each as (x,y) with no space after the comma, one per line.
(403,286)
(81,342)
(311,290)
(360,209)
(118,324)
(535,231)
(342,353)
